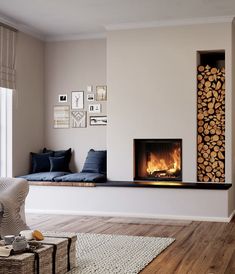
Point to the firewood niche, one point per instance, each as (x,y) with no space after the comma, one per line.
(211,121)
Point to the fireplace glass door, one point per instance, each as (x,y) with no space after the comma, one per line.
(158,159)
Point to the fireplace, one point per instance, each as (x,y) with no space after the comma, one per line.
(158,159)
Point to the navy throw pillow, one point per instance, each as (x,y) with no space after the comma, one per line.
(40,162)
(96,162)
(58,164)
(59,153)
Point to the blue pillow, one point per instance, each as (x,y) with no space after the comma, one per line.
(58,164)
(96,162)
(40,162)
(59,153)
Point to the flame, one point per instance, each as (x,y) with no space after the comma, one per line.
(169,164)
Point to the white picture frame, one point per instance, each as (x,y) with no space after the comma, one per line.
(94,108)
(77,100)
(78,119)
(98,120)
(62,98)
(89,88)
(101,93)
(61,117)
(91,97)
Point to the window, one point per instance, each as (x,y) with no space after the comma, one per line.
(5,132)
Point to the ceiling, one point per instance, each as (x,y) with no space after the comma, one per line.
(58,19)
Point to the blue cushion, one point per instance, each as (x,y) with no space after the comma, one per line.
(59,153)
(82,177)
(58,164)
(40,162)
(43,176)
(95,162)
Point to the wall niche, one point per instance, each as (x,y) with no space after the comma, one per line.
(211,116)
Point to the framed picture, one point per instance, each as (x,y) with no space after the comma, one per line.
(78,119)
(91,97)
(61,116)
(89,88)
(101,93)
(98,120)
(77,99)
(63,98)
(94,108)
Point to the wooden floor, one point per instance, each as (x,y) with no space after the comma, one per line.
(200,247)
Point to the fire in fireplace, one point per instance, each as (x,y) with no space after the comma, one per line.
(158,159)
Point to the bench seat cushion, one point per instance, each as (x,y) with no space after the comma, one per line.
(44,176)
(82,177)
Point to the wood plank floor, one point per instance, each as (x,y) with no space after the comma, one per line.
(200,247)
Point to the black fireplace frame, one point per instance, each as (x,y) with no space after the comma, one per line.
(167,140)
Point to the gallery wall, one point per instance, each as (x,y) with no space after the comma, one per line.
(72,66)
(28,105)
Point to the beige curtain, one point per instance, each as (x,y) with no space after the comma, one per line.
(7,57)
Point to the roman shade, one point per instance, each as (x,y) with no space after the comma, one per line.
(7,57)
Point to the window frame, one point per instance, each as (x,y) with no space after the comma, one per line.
(6,132)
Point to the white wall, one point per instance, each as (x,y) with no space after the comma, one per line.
(71,66)
(151,75)
(28,107)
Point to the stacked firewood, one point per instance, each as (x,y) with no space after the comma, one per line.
(210,124)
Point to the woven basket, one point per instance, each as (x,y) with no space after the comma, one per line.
(20,264)
(60,251)
(45,260)
(28,263)
(71,248)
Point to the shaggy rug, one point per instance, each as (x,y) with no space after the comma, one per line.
(111,254)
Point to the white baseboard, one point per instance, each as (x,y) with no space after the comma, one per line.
(132,215)
(231,215)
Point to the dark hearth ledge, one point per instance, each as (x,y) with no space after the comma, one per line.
(178,185)
(139,184)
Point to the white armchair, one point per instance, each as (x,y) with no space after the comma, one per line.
(13,192)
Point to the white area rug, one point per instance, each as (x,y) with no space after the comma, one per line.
(111,254)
